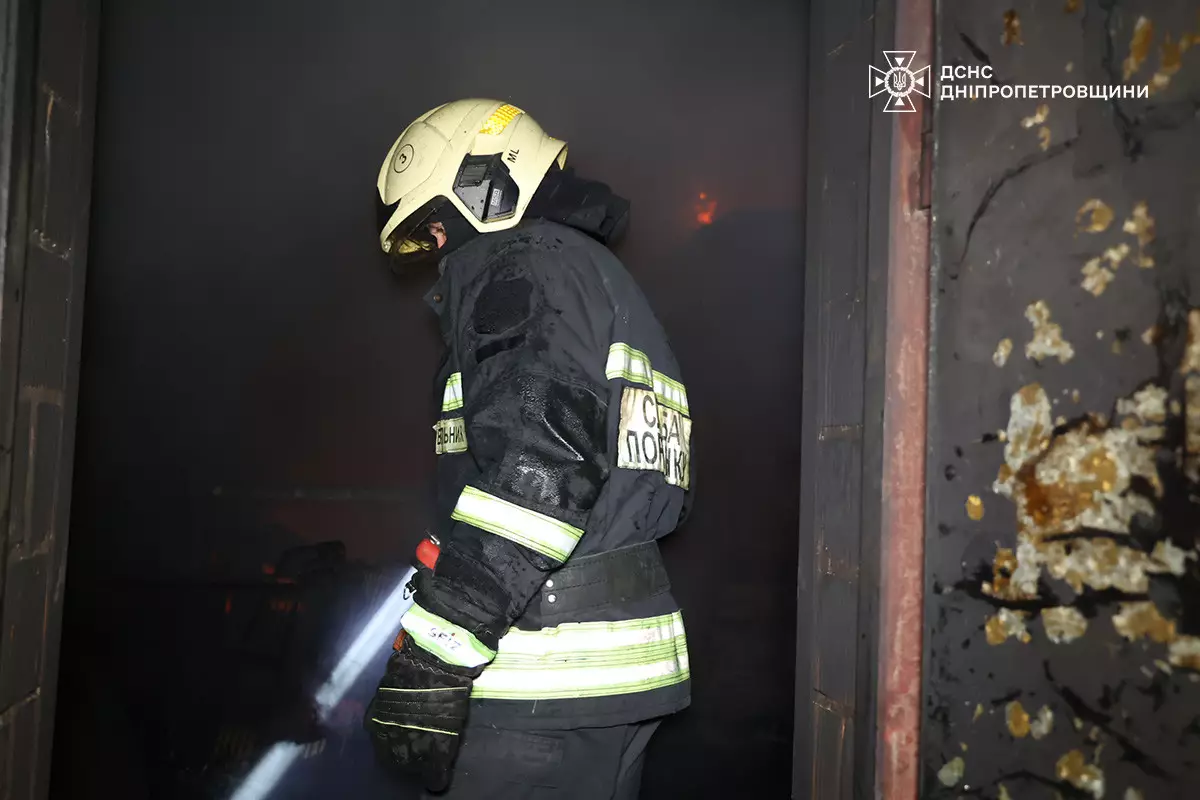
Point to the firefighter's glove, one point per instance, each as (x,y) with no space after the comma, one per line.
(417,716)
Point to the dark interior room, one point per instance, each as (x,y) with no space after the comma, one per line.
(826,425)
(254,379)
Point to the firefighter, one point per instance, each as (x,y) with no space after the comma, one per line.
(544,647)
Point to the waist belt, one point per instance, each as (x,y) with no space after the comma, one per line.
(623,668)
(619,576)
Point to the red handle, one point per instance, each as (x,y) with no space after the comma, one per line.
(427,553)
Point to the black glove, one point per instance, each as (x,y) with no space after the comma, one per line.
(418,714)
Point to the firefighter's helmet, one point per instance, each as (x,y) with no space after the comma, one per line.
(483,159)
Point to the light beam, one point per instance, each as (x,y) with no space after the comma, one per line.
(275,763)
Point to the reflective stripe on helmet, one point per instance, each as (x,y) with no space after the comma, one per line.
(534,530)
(634,366)
(498,121)
(587,659)
(452,397)
(449,642)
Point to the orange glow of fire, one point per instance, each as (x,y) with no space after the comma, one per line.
(705,209)
(228,603)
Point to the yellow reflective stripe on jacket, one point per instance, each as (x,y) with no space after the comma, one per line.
(449,642)
(625,362)
(634,366)
(587,659)
(534,530)
(670,393)
(452,397)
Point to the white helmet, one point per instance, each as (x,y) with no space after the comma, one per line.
(483,157)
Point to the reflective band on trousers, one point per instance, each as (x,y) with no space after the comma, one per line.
(534,530)
(634,366)
(452,397)
(447,641)
(587,659)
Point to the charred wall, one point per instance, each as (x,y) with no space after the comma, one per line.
(849,147)
(1061,530)
(47,106)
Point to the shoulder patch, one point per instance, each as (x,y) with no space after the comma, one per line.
(450,436)
(654,436)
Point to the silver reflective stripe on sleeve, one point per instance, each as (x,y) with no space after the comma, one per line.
(452,397)
(534,530)
(587,659)
(449,642)
(634,366)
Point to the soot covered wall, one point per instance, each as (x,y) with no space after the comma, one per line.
(1063,622)
(254,378)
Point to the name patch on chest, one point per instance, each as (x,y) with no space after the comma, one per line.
(450,436)
(653,436)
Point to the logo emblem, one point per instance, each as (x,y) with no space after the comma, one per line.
(403,158)
(899,81)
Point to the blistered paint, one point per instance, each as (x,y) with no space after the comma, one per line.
(952,772)
(1003,351)
(1116,254)
(1047,338)
(1169,61)
(1097,213)
(1006,624)
(1043,724)
(1012,29)
(1170,57)
(1037,118)
(1078,478)
(1095,277)
(1142,620)
(1017,719)
(1191,354)
(1139,46)
(1078,488)
(1141,225)
(975,507)
(1185,652)
(1063,624)
(1074,769)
